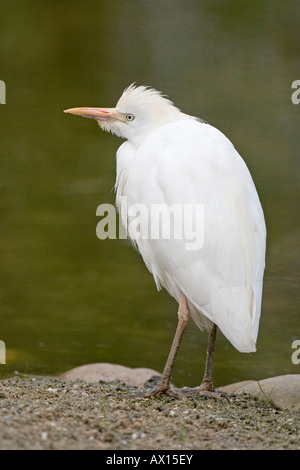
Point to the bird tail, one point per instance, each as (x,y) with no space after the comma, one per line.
(238,321)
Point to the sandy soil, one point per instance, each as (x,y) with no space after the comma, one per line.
(47,413)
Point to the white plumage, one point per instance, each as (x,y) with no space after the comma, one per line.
(186,161)
(172,158)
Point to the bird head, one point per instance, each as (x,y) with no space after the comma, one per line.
(139,111)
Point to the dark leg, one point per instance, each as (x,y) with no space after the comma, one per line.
(206,388)
(207,382)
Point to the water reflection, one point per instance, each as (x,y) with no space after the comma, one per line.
(68,298)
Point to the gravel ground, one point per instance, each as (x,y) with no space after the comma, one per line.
(47,413)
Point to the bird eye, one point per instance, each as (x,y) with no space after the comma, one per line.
(129,117)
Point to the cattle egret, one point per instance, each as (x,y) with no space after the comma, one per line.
(172,158)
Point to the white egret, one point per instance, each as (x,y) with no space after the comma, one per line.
(172,158)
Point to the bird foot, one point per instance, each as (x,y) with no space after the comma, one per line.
(179,393)
(194,392)
(159,389)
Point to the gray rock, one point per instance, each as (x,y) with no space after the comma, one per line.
(233,388)
(106,372)
(282,391)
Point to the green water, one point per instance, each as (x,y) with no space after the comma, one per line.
(68,298)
